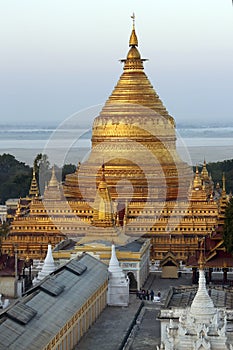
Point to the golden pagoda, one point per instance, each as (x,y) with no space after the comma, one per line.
(135,138)
(132,184)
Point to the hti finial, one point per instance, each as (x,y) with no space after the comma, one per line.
(133,41)
(201,260)
(133,18)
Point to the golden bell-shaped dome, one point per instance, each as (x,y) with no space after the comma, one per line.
(133,53)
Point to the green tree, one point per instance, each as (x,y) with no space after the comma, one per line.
(15,178)
(228,227)
(218,168)
(67,169)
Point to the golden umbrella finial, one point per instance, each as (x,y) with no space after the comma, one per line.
(201,260)
(133,41)
(133,18)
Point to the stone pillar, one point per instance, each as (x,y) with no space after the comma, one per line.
(224,270)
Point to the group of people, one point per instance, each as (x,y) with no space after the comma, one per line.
(143,294)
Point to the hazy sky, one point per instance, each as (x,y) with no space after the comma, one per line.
(58,56)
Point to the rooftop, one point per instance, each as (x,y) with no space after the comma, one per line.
(32,321)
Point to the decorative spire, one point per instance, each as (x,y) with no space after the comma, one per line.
(53,181)
(134,62)
(103,206)
(114,263)
(47,267)
(204,172)
(197,183)
(133,18)
(34,190)
(223,183)
(201,260)
(202,308)
(133,41)
(118,286)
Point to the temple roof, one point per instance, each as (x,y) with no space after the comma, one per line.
(56,300)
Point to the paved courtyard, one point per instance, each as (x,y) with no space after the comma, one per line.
(115,323)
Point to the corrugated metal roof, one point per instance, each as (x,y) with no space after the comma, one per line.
(21,313)
(76,267)
(52,287)
(134,246)
(52,312)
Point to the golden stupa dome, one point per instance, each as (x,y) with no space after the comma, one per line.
(134,136)
(133,53)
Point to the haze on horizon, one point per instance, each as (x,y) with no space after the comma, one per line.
(60,57)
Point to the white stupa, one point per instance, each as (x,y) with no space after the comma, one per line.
(118,285)
(199,327)
(48,266)
(202,308)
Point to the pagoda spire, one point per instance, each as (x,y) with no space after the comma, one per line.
(53,181)
(223,183)
(53,190)
(204,172)
(34,190)
(133,41)
(103,206)
(202,308)
(118,285)
(48,266)
(197,183)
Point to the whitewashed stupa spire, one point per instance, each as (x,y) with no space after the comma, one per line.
(202,308)
(118,285)
(48,266)
(114,265)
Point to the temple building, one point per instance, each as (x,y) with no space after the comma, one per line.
(132,184)
(32,229)
(218,262)
(59,310)
(154,193)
